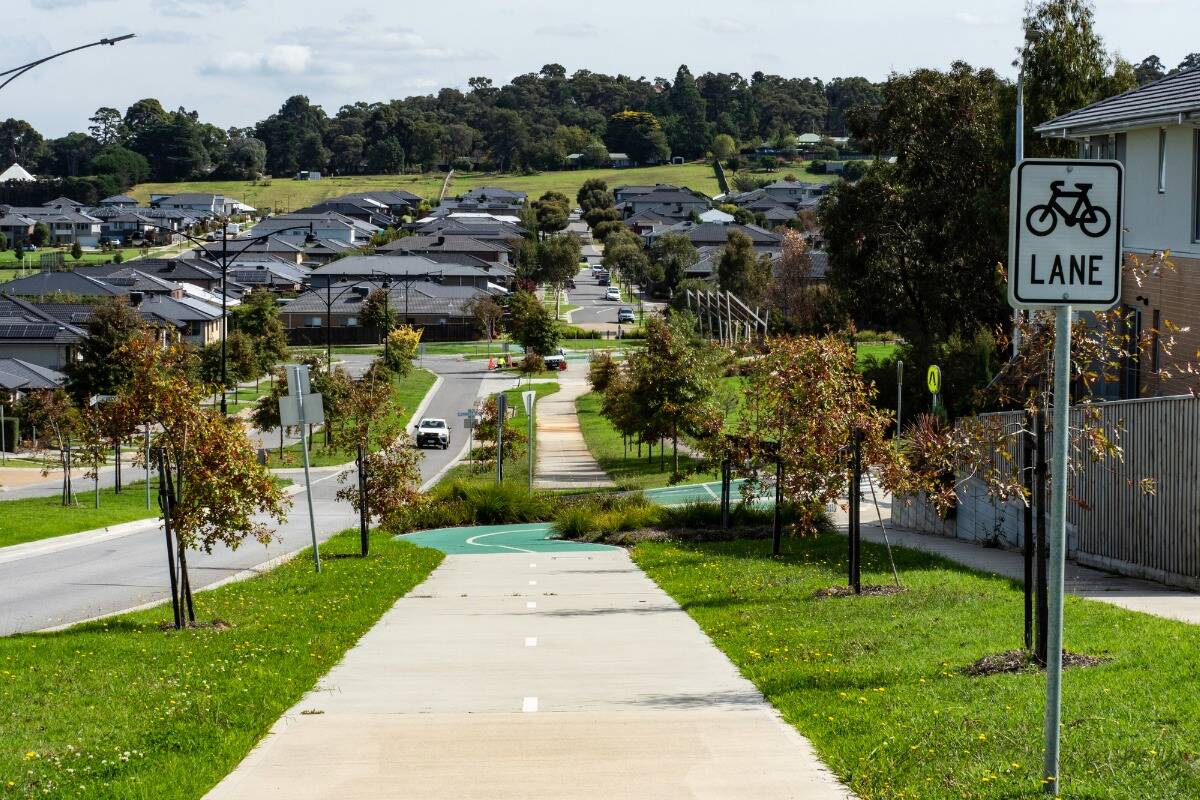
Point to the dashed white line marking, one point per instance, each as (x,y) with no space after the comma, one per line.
(529,705)
(533,566)
(531,641)
(531,604)
(533,583)
(711,493)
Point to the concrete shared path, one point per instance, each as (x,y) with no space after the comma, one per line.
(533,669)
(563,458)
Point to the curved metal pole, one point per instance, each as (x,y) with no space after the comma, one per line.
(17,72)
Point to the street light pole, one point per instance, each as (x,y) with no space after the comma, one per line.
(224,309)
(17,72)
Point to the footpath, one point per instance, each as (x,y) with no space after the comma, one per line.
(563,458)
(533,669)
(1128,593)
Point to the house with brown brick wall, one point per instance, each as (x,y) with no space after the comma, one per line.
(1154,131)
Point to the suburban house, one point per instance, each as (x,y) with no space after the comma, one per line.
(675,203)
(495,194)
(491,251)
(198,322)
(615,160)
(275,247)
(17,228)
(19,377)
(363,209)
(325,225)
(216,204)
(119,201)
(1153,131)
(194,271)
(66,225)
(402,269)
(397,201)
(443,312)
(796,194)
(35,337)
(716,234)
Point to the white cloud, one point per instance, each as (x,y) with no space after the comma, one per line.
(188,8)
(975,20)
(51,5)
(724,25)
(281,59)
(579,30)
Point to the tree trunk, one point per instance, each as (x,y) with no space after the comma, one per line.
(675,448)
(117,465)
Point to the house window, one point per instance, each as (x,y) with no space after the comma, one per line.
(351,322)
(1162,160)
(313,322)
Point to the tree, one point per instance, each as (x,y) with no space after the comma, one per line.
(742,271)
(1190,61)
(639,135)
(673,384)
(107,126)
(594,194)
(123,164)
(40,235)
(244,158)
(690,134)
(553,210)
(1149,69)
(488,314)
(673,254)
(531,365)
(76,251)
(3,242)
(1064,64)
(265,415)
(804,401)
(402,346)
(392,482)
(595,155)
(293,136)
(54,414)
(907,240)
(242,361)
(20,143)
(258,317)
(69,155)
(532,326)
(724,147)
(624,256)
(558,259)
(377,312)
(101,366)
(790,292)
(219,494)
(601,369)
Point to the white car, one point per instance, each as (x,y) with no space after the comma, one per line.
(433,433)
(613,293)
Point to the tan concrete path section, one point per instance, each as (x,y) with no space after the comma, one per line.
(1093,584)
(547,675)
(563,458)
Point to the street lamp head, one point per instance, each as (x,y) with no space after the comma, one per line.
(116,39)
(310,238)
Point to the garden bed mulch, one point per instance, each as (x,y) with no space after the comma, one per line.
(1011,661)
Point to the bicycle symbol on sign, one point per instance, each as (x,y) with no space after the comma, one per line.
(1092,220)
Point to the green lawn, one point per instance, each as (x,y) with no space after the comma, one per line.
(606,447)
(799,169)
(879,685)
(33,518)
(286,193)
(877,350)
(245,397)
(516,470)
(8,257)
(407,394)
(119,708)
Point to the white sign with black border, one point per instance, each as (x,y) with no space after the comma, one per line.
(1065,219)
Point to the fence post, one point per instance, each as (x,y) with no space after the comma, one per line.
(1042,553)
(1027,460)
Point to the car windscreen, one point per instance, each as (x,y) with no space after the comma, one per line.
(433,423)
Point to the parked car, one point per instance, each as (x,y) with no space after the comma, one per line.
(625,314)
(602,279)
(433,432)
(570,283)
(613,293)
(555,362)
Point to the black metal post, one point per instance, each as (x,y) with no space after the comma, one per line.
(329,326)
(856,527)
(164,504)
(777,518)
(1042,550)
(726,470)
(224,319)
(1027,457)
(363,512)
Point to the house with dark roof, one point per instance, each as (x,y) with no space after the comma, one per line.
(495,194)
(492,251)
(119,201)
(17,228)
(66,225)
(626,192)
(18,377)
(33,336)
(215,204)
(1154,131)
(402,269)
(716,234)
(442,311)
(675,203)
(324,225)
(194,271)
(397,201)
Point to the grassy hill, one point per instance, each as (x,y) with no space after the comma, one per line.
(286,193)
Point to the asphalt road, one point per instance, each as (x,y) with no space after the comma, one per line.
(87,580)
(593,309)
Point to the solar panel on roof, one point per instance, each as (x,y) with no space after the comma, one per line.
(29,331)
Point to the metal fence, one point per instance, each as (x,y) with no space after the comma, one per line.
(449,332)
(1116,525)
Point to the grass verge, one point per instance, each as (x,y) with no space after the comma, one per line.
(631,472)
(407,394)
(119,708)
(879,685)
(32,518)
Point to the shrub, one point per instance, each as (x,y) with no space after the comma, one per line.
(466,503)
(606,513)
(816,167)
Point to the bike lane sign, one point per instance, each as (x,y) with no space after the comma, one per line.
(1065,234)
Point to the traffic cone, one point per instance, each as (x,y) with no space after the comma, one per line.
(491,363)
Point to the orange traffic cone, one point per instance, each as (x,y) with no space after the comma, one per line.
(491,363)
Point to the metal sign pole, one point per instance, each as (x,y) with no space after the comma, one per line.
(312,520)
(147,465)
(3,435)
(528,398)
(899,393)
(1058,541)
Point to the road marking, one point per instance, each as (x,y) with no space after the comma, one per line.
(533,583)
(531,641)
(533,566)
(531,604)
(529,705)
(474,543)
(707,488)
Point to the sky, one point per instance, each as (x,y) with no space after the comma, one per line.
(236,61)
